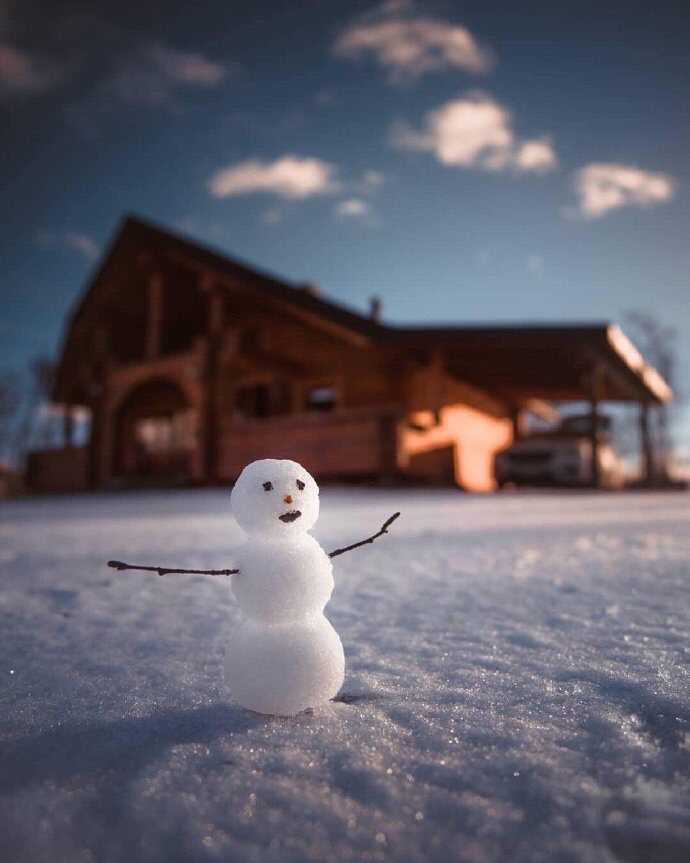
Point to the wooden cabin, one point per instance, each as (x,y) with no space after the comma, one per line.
(193,364)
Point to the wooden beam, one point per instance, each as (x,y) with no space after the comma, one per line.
(437,367)
(154,315)
(646,445)
(518,419)
(595,391)
(215,313)
(542,409)
(209,418)
(646,375)
(389,444)
(68,426)
(293,309)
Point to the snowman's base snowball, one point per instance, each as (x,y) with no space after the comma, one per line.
(284,668)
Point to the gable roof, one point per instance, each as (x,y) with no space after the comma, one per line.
(166,242)
(544,360)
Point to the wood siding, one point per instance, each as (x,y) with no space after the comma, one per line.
(348,443)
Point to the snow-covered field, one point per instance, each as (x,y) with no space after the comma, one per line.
(518,685)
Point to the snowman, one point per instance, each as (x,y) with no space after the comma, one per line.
(285,657)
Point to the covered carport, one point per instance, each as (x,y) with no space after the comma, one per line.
(528,367)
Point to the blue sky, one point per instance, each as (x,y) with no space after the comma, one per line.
(465,161)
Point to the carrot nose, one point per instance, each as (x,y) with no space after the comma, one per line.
(287,498)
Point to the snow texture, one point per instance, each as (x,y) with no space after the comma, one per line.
(517,685)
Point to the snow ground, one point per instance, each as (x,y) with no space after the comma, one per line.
(517,685)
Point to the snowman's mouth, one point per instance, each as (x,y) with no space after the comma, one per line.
(287,517)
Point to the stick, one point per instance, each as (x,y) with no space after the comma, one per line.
(383,530)
(162,570)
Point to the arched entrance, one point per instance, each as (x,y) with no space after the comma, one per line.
(155,434)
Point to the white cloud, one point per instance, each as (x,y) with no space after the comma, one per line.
(371,181)
(156,74)
(187,68)
(27,73)
(83,244)
(536,155)
(601,187)
(474,131)
(288,177)
(78,242)
(352,208)
(409,45)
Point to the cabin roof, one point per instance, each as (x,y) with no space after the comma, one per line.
(547,361)
(514,361)
(234,270)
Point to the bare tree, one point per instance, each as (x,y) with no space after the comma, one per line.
(10,400)
(657,342)
(21,396)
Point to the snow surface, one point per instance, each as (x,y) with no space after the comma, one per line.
(517,685)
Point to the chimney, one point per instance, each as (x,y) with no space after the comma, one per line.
(311,289)
(375,308)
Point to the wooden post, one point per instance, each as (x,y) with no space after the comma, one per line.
(646,446)
(99,439)
(214,327)
(388,452)
(517,418)
(154,317)
(595,390)
(68,427)
(437,366)
(95,440)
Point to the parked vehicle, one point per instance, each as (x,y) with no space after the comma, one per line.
(561,457)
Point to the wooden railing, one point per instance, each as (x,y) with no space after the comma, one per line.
(57,470)
(348,442)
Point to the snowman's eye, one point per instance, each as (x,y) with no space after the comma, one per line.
(300,484)
(268,486)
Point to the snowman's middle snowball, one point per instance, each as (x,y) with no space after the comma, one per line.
(282,580)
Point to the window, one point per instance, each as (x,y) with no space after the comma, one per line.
(165,433)
(253,401)
(282,398)
(321,398)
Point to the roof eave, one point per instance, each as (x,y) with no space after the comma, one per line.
(647,375)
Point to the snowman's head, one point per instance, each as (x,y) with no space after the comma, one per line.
(275,497)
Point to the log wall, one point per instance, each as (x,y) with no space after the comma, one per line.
(342,444)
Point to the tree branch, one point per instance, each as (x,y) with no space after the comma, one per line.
(384,529)
(162,570)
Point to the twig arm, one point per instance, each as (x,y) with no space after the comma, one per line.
(163,570)
(384,529)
